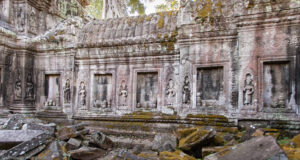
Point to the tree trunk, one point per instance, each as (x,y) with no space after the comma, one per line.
(114,9)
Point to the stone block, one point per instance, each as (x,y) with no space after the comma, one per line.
(87,153)
(68,132)
(102,141)
(15,122)
(263,147)
(192,137)
(164,142)
(48,129)
(25,147)
(11,138)
(53,151)
(73,144)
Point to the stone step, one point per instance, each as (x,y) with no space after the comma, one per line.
(132,127)
(129,143)
(124,133)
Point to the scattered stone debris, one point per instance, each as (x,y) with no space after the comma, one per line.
(22,138)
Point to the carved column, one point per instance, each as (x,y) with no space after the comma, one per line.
(23,88)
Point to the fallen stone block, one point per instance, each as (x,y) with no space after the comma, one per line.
(191,137)
(251,133)
(53,151)
(31,153)
(11,138)
(48,129)
(15,122)
(73,144)
(164,142)
(102,141)
(25,147)
(68,132)
(87,153)
(259,148)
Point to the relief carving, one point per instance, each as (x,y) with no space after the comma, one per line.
(248,90)
(32,21)
(20,19)
(102,91)
(82,94)
(18,86)
(186,91)
(67,91)
(29,87)
(170,91)
(123,93)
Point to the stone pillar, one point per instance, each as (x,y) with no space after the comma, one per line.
(23,86)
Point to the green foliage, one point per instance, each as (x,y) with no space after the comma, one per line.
(134,6)
(168,5)
(95,8)
(283,141)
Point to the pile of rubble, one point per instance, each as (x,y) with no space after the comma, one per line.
(29,138)
(24,138)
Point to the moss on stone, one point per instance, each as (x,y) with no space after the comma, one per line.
(177,155)
(161,20)
(141,19)
(206,116)
(148,18)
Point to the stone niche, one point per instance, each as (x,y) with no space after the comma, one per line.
(210,87)
(147,90)
(102,91)
(52,91)
(276,86)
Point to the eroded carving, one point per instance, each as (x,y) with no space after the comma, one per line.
(248,90)
(147,90)
(52,88)
(276,85)
(210,90)
(29,87)
(123,93)
(67,91)
(82,94)
(170,91)
(18,85)
(33,20)
(20,18)
(102,91)
(186,91)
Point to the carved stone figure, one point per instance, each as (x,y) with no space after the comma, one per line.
(82,94)
(248,90)
(18,86)
(170,92)
(186,91)
(280,102)
(199,99)
(20,19)
(29,87)
(123,93)
(67,91)
(32,21)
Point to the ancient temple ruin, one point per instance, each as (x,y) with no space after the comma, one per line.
(237,58)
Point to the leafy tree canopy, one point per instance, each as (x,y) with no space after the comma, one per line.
(134,6)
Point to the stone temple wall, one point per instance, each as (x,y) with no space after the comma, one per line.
(235,58)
